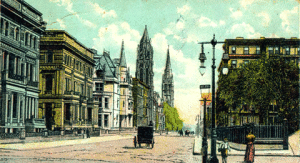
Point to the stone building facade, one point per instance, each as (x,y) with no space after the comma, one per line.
(106,80)
(66,86)
(21,28)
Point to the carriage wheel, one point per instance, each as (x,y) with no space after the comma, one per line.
(134,142)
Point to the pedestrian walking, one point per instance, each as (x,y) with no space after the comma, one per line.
(224,148)
(88,133)
(250,149)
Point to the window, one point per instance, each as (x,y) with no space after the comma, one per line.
(48,82)
(271,50)
(11,64)
(233,64)
(298,50)
(50,57)
(67,112)
(90,113)
(15,102)
(105,120)
(12,32)
(276,50)
(246,61)
(123,104)
(99,86)
(106,103)
(6,28)
(287,50)
(17,34)
(82,89)
(100,102)
(100,120)
(233,50)
(66,59)
(246,50)
(67,84)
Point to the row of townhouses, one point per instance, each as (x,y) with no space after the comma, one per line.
(49,80)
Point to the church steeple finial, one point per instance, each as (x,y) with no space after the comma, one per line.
(122,56)
(168,62)
(145,37)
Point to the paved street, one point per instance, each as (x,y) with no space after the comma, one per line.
(117,148)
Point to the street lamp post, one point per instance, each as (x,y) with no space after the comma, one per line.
(213,42)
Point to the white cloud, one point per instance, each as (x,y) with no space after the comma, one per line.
(183,10)
(290,20)
(206,22)
(222,22)
(104,13)
(61,23)
(110,37)
(180,25)
(265,18)
(67,3)
(69,7)
(236,14)
(245,3)
(244,30)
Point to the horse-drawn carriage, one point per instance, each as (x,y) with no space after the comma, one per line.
(144,135)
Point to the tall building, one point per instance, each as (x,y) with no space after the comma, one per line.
(21,28)
(242,51)
(66,95)
(126,100)
(144,69)
(167,87)
(107,91)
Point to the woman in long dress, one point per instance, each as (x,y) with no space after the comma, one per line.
(250,149)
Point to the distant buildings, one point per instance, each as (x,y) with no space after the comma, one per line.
(167,88)
(66,86)
(21,28)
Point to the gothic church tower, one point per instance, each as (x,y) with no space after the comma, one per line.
(144,69)
(167,82)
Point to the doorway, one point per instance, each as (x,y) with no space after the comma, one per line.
(48,116)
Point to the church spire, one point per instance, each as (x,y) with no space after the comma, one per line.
(168,63)
(145,37)
(122,56)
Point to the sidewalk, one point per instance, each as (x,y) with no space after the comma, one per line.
(260,150)
(55,141)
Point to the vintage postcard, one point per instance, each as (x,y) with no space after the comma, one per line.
(150,81)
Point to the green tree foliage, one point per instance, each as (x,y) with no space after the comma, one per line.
(172,119)
(260,83)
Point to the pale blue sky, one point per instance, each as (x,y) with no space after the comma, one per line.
(102,24)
